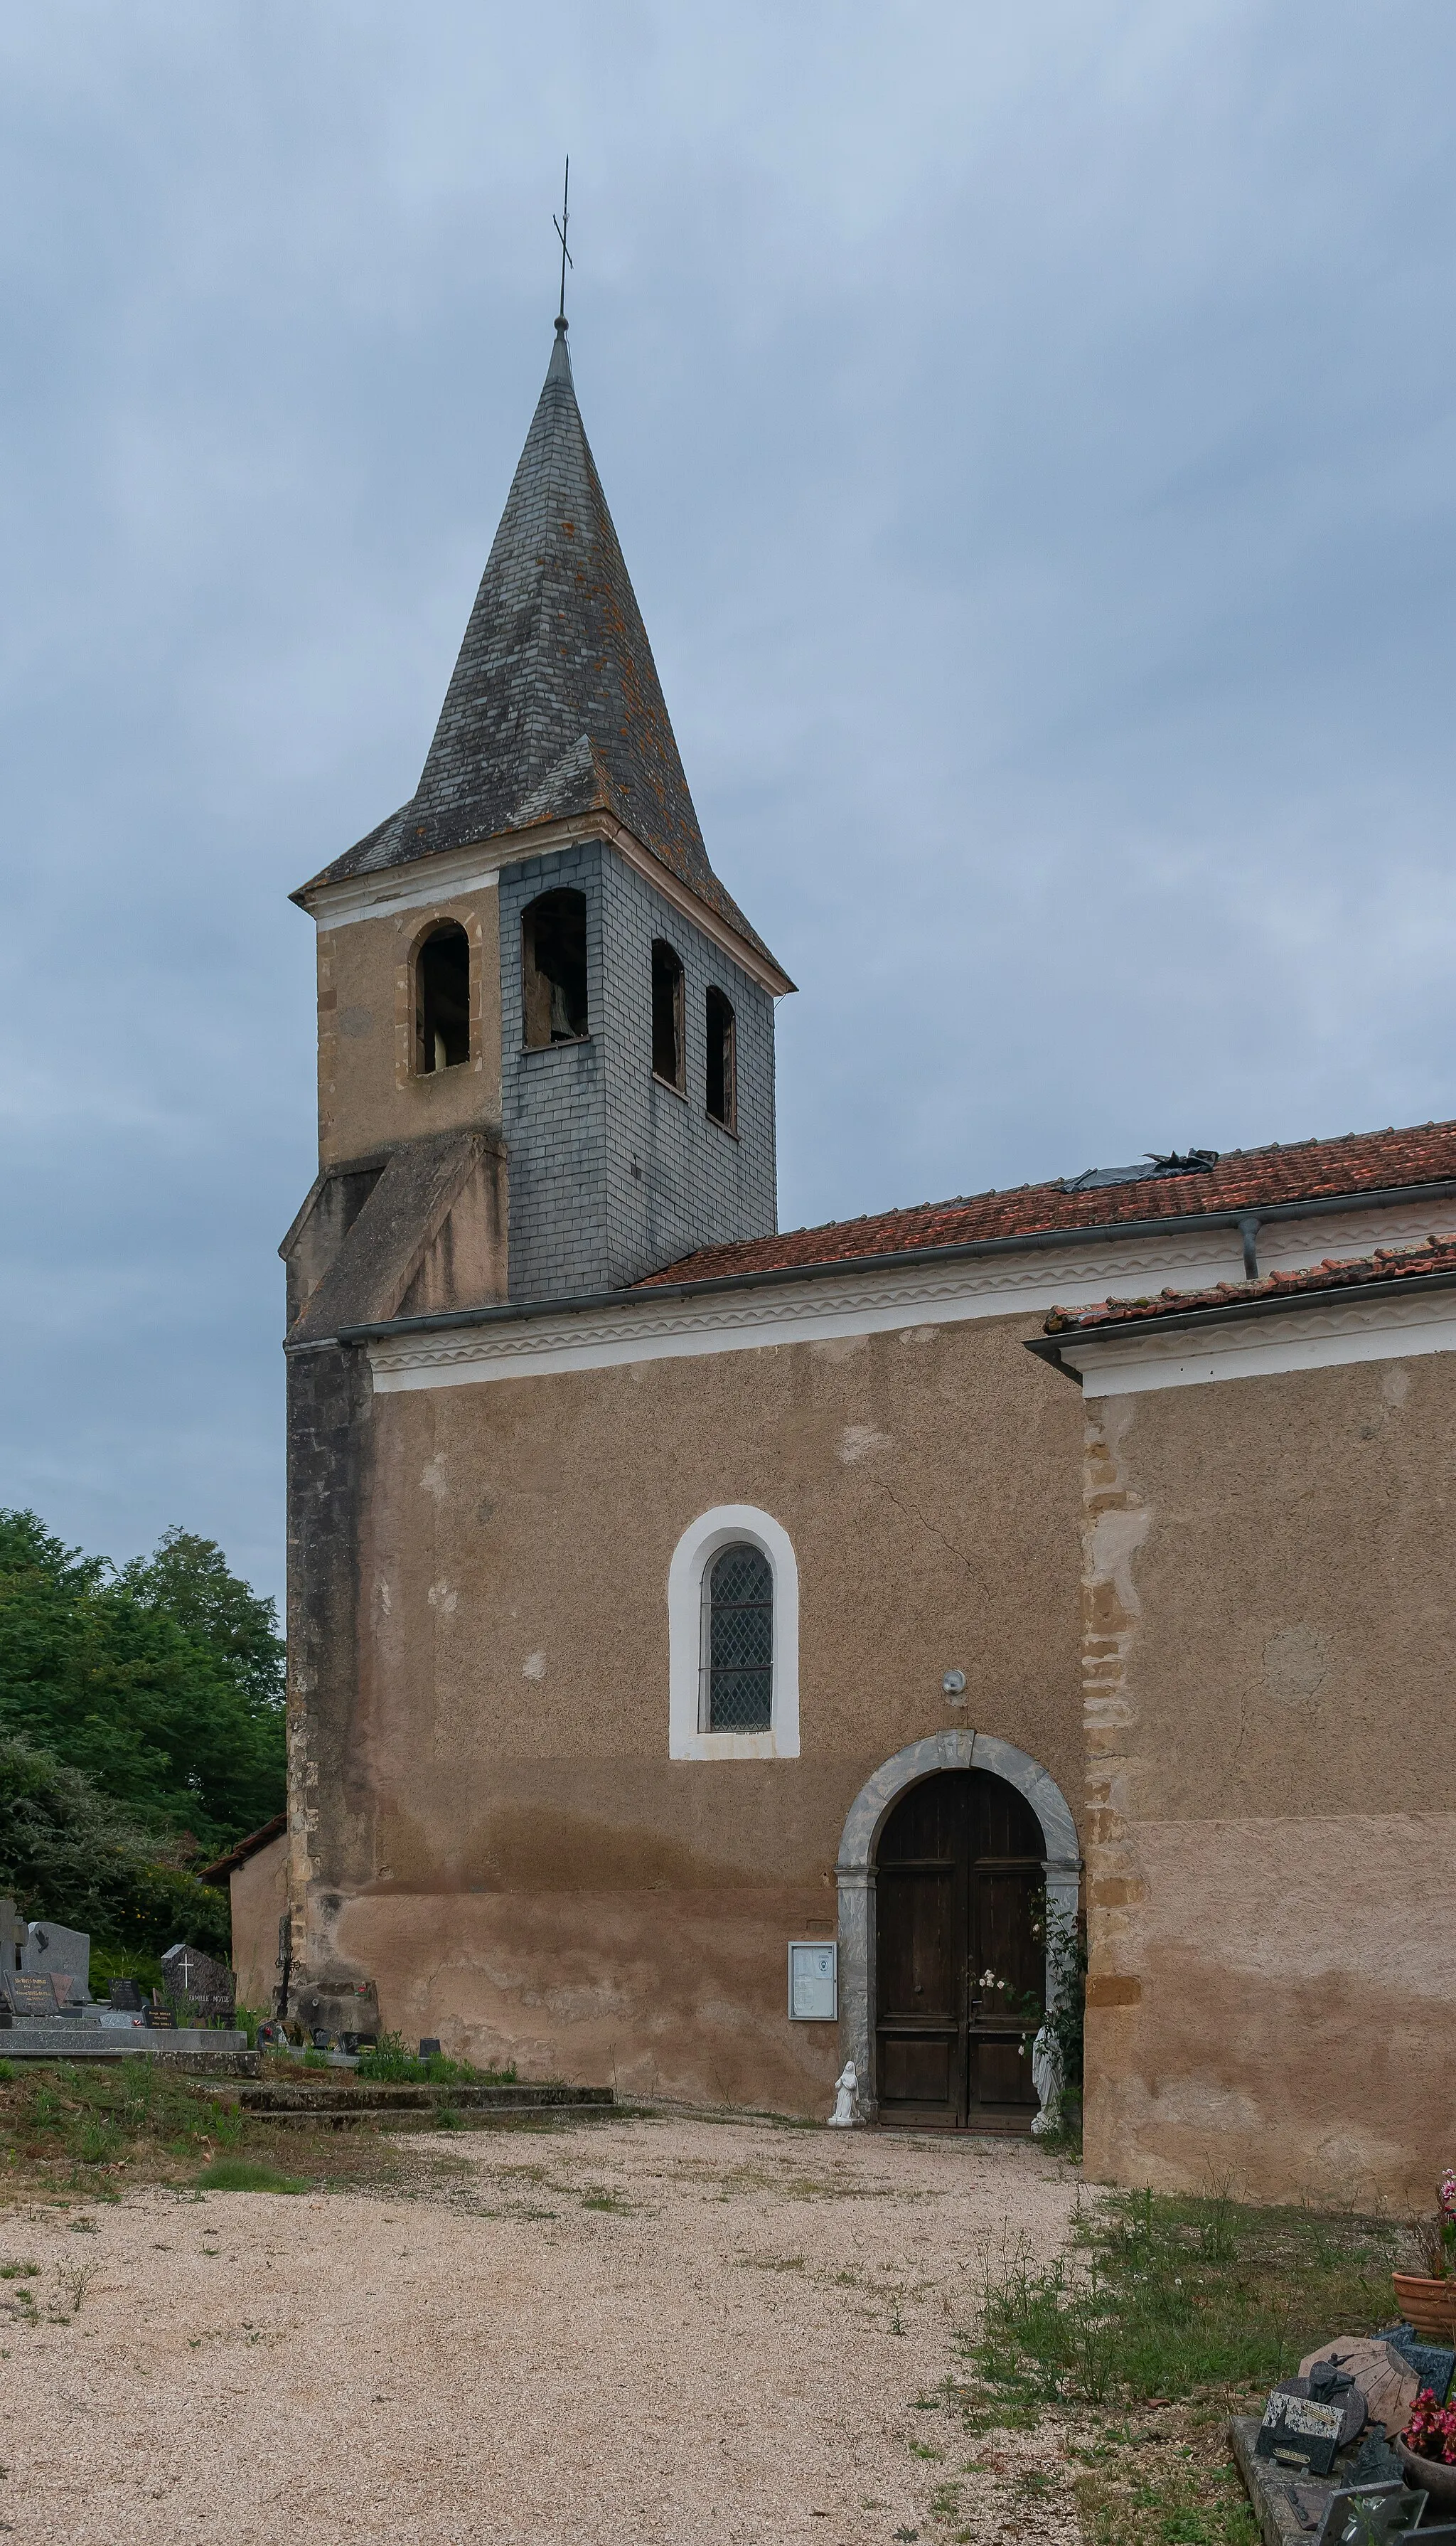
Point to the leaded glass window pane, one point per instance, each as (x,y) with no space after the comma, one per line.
(738,1623)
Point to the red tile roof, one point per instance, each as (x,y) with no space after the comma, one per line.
(1243,1180)
(219,1871)
(1387,1264)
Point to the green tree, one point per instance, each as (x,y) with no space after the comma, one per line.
(187,1578)
(68,1852)
(162,1683)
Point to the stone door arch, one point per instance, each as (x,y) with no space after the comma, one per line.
(855,1870)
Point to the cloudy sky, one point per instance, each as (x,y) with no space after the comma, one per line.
(1029,427)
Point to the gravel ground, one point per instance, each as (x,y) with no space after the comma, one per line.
(657,2331)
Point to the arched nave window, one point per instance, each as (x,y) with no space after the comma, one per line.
(732,1639)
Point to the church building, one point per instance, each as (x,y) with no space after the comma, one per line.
(716,1654)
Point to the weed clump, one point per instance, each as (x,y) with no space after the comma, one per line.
(1173,2296)
(1169,2313)
(389,2062)
(245,2175)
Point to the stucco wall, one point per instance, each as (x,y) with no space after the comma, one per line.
(1271,1797)
(260,1896)
(499,1837)
(369,1093)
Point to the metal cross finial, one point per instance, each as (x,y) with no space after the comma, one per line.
(566,258)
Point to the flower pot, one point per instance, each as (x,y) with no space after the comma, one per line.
(1431,2306)
(1429,2473)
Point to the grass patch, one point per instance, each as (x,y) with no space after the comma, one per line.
(82,2121)
(1167,2296)
(389,2061)
(84,2129)
(1169,2313)
(245,2175)
(1191,2497)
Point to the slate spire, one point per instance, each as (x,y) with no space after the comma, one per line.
(554,707)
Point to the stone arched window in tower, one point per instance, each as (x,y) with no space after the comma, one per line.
(668,1060)
(737,1641)
(553,968)
(722,1061)
(443,999)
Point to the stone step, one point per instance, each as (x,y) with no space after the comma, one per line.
(197,2049)
(374,2117)
(278,2095)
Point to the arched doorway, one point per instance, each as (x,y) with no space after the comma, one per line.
(960,1954)
(857,1873)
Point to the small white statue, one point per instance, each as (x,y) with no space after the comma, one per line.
(846,2086)
(1046,2078)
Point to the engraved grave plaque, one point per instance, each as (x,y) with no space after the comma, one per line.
(1298,2433)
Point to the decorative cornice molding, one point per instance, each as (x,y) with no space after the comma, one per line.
(1355,1325)
(442,878)
(655,1329)
(478,867)
(649,1325)
(1285,1245)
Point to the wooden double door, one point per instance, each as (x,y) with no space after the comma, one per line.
(961,1967)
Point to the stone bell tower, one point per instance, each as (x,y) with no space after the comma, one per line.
(545,1042)
(545,1030)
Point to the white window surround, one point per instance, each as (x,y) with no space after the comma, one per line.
(708,1535)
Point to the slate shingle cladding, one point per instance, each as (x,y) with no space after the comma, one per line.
(610,1171)
(554,708)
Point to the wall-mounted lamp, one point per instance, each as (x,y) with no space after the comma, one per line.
(954,1685)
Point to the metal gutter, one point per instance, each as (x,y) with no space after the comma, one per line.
(1051,1348)
(639,1294)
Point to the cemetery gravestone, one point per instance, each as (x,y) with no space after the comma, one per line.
(66,1951)
(1433,2364)
(31,1994)
(125,1993)
(204,1983)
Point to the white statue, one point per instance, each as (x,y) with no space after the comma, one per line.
(1046,2078)
(846,2086)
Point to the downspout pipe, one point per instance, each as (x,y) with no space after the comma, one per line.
(1249,1232)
